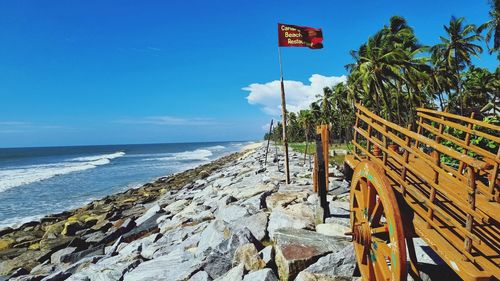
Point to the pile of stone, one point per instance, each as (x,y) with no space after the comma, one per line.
(234,220)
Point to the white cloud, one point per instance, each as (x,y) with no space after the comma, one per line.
(298,94)
(169,120)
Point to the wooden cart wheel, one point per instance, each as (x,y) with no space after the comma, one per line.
(377,226)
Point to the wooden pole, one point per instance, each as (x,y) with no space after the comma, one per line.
(268,140)
(283,111)
(321,176)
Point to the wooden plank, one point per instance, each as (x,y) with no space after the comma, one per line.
(455,194)
(441,148)
(459,142)
(461,118)
(460,127)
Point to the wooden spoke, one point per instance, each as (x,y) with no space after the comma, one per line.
(376,214)
(378,236)
(380,230)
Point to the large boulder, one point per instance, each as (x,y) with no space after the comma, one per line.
(296,249)
(57,257)
(235,274)
(231,213)
(337,264)
(251,191)
(248,255)
(257,224)
(200,276)
(332,229)
(300,216)
(177,265)
(308,276)
(283,199)
(220,259)
(265,274)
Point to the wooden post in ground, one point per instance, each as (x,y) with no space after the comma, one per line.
(283,111)
(321,175)
(322,130)
(268,140)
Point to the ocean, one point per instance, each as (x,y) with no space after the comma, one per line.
(35,182)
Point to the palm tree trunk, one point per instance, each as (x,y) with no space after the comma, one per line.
(307,145)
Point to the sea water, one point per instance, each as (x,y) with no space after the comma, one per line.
(35,182)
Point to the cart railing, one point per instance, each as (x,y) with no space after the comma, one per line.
(448,207)
(439,124)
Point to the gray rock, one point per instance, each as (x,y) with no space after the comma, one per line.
(57,276)
(235,274)
(177,265)
(339,220)
(202,216)
(300,216)
(338,264)
(253,190)
(332,229)
(110,268)
(215,233)
(113,249)
(56,258)
(176,206)
(149,214)
(283,199)
(231,213)
(338,187)
(296,249)
(267,254)
(200,276)
(248,255)
(220,259)
(74,257)
(45,268)
(262,275)
(257,224)
(308,276)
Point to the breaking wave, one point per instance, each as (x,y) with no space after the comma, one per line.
(13,177)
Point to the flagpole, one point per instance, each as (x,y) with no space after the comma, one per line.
(283,111)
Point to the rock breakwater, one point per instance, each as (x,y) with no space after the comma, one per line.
(232,219)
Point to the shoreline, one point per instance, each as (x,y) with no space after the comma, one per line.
(230,219)
(29,239)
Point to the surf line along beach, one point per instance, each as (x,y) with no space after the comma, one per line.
(230,219)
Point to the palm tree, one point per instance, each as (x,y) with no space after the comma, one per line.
(325,103)
(456,50)
(492,28)
(388,71)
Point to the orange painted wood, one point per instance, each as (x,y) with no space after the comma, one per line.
(454,210)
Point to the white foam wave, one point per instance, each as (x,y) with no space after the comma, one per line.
(98,157)
(193,155)
(12,177)
(216,147)
(18,221)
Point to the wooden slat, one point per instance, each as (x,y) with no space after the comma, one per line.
(458,141)
(454,194)
(457,215)
(461,118)
(446,192)
(441,148)
(460,127)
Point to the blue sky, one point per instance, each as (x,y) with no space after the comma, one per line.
(109,72)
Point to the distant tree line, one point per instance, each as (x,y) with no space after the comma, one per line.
(393,74)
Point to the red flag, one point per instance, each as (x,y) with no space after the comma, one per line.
(299,36)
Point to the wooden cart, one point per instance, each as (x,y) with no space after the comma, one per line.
(401,189)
